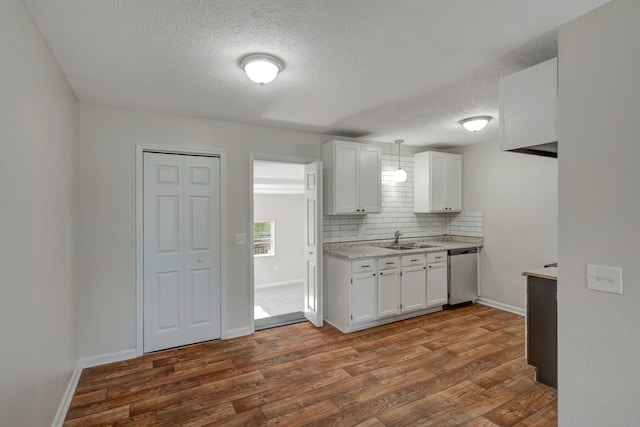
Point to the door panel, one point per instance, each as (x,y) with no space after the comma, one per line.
(181,250)
(168,218)
(199,230)
(168,298)
(313,253)
(200,297)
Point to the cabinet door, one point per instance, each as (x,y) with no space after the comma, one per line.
(453,180)
(437,284)
(414,288)
(370,175)
(346,178)
(438,182)
(532,92)
(389,293)
(364,298)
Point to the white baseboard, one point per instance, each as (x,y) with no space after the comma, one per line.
(239,332)
(276,284)
(501,306)
(66,398)
(103,359)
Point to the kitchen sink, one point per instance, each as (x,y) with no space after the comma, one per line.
(424,245)
(407,246)
(399,247)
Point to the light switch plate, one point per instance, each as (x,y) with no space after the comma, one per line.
(605,279)
(241,238)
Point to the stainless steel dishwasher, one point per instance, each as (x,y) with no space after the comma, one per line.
(463,276)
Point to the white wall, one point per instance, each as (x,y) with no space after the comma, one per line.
(518,195)
(598,333)
(38,311)
(287,210)
(107,210)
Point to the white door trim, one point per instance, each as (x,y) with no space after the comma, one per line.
(140,149)
(280,159)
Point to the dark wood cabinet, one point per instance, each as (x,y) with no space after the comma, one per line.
(542,329)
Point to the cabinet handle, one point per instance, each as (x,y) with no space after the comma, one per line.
(389,263)
(415,260)
(366,266)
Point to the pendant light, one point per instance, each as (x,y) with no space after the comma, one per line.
(261,67)
(399,175)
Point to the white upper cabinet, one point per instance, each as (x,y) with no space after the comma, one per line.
(529,107)
(352,178)
(437,185)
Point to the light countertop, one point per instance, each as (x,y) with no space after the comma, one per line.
(374,248)
(550,273)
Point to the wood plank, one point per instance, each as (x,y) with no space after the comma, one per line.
(101,417)
(296,401)
(523,405)
(300,381)
(194,410)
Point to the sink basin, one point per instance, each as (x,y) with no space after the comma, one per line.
(407,246)
(399,247)
(424,245)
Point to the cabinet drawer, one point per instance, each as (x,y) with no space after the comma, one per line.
(363,266)
(415,259)
(436,257)
(388,263)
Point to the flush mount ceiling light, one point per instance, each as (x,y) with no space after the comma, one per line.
(473,124)
(261,67)
(399,175)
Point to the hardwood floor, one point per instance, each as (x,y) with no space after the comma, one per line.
(463,367)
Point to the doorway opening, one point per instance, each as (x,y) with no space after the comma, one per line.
(278,243)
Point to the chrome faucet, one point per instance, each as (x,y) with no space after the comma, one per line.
(397,236)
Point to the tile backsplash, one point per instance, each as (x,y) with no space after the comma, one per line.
(397,214)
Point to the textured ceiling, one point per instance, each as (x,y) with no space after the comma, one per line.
(379,69)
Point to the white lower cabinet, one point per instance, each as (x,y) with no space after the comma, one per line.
(414,288)
(363,298)
(437,279)
(389,287)
(437,284)
(363,293)
(414,282)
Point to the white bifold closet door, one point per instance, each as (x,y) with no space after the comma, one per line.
(181,250)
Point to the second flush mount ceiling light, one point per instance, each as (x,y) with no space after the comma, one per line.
(473,124)
(261,68)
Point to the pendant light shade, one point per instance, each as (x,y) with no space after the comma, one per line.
(261,68)
(399,175)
